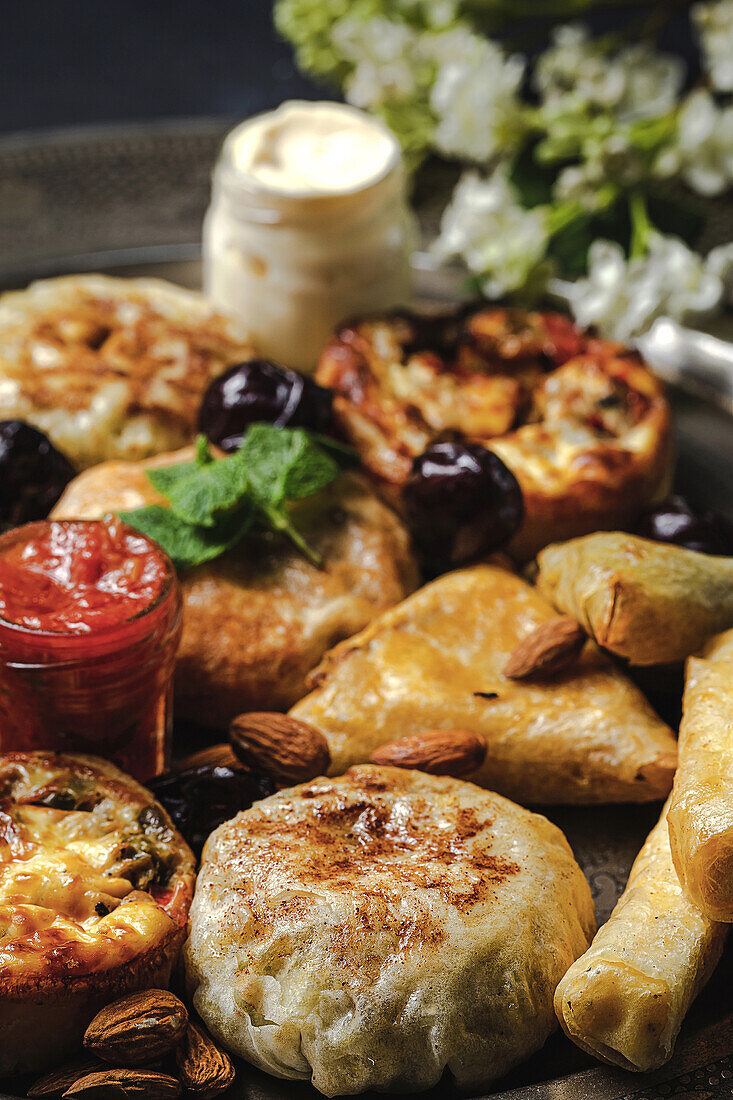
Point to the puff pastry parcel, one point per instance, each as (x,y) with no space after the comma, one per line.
(259,618)
(435,662)
(649,602)
(373,930)
(625,999)
(701,809)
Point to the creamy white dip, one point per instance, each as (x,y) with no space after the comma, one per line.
(308,225)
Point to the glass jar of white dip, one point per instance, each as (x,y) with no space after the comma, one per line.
(308,225)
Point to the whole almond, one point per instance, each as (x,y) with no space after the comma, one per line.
(215,756)
(138,1028)
(59,1080)
(279,746)
(551,646)
(439,752)
(109,1083)
(202,1067)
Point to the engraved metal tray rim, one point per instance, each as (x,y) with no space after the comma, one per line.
(83,200)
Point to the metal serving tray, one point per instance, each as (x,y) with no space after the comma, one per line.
(129,202)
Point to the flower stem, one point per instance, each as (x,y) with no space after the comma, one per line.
(641,226)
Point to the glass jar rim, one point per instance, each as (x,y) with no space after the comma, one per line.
(258,192)
(168,587)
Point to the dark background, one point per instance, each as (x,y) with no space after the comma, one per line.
(68,62)
(72,62)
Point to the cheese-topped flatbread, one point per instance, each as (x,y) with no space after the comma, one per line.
(370,931)
(437,661)
(95,886)
(111,368)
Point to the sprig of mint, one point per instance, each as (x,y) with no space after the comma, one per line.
(215,502)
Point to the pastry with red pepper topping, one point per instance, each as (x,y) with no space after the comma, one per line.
(581,422)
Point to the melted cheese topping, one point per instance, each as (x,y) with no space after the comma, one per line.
(111,368)
(68,898)
(561,409)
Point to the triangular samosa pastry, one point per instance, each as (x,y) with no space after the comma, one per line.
(436,661)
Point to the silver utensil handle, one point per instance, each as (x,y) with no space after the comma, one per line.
(693,360)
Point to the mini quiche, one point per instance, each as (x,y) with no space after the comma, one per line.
(95,888)
(582,423)
(374,930)
(111,368)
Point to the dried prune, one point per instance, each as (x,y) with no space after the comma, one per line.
(200,798)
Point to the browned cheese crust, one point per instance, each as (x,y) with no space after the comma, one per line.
(95,888)
(111,368)
(581,422)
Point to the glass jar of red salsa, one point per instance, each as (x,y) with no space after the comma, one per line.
(90,621)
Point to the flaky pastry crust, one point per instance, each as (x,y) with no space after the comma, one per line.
(437,660)
(259,618)
(581,422)
(371,930)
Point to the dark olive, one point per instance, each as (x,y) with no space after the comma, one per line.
(33,474)
(199,799)
(461,501)
(674,521)
(261,391)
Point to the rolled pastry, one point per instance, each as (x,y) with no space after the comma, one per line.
(701,808)
(437,660)
(624,1000)
(649,602)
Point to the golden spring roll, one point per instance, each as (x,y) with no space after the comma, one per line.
(625,998)
(701,808)
(652,603)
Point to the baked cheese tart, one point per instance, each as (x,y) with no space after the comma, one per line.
(371,931)
(581,422)
(259,618)
(95,888)
(111,368)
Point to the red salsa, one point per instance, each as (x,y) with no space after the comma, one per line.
(76,577)
(90,620)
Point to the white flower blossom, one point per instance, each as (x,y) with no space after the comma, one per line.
(581,183)
(475,99)
(622,298)
(715,29)
(498,239)
(720,263)
(703,150)
(382,54)
(635,83)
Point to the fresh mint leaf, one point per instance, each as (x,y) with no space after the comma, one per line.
(184,543)
(279,519)
(213,502)
(203,451)
(202,493)
(285,464)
